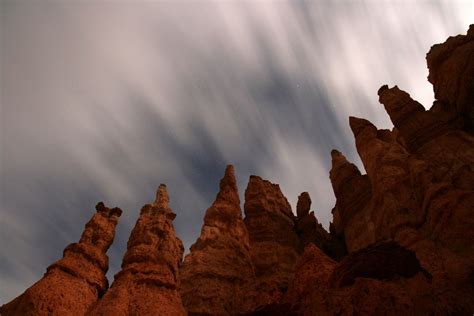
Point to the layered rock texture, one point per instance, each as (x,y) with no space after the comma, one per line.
(407,223)
(218,275)
(75,282)
(148,281)
(274,243)
(401,240)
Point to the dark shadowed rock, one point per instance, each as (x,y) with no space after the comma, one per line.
(304,204)
(381,261)
(311,231)
(451,71)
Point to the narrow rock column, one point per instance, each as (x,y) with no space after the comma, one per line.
(416,126)
(307,226)
(275,245)
(398,179)
(352,190)
(75,282)
(148,281)
(217,276)
(311,231)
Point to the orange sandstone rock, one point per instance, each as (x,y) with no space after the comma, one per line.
(418,193)
(148,282)
(274,243)
(217,276)
(451,71)
(406,226)
(384,279)
(311,231)
(75,282)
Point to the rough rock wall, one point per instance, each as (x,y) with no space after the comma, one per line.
(382,279)
(311,231)
(75,282)
(148,282)
(408,222)
(217,276)
(451,71)
(403,231)
(274,243)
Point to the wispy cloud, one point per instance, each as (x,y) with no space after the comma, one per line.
(105,100)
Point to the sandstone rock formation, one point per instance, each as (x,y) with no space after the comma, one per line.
(383,279)
(274,243)
(451,71)
(408,223)
(75,282)
(400,242)
(353,192)
(306,223)
(148,282)
(217,276)
(311,231)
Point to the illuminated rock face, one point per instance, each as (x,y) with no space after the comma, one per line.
(75,282)
(148,281)
(218,276)
(400,242)
(274,243)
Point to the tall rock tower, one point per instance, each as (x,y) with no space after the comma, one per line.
(75,282)
(275,245)
(217,276)
(407,223)
(148,281)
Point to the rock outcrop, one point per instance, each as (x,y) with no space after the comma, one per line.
(407,222)
(311,231)
(148,282)
(400,242)
(382,279)
(274,243)
(353,192)
(451,71)
(75,282)
(217,276)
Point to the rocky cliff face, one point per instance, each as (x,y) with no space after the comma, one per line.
(407,222)
(75,282)
(218,274)
(274,243)
(400,241)
(148,281)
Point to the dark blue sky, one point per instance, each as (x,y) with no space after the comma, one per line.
(103,101)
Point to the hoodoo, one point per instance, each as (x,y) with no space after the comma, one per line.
(400,242)
(274,243)
(75,282)
(218,275)
(148,282)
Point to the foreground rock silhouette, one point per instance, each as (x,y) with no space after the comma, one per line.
(400,242)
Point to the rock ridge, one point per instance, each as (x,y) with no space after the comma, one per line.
(400,242)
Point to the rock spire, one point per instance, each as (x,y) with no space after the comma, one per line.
(149,280)
(218,275)
(75,282)
(275,245)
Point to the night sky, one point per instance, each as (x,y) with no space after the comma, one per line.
(105,100)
